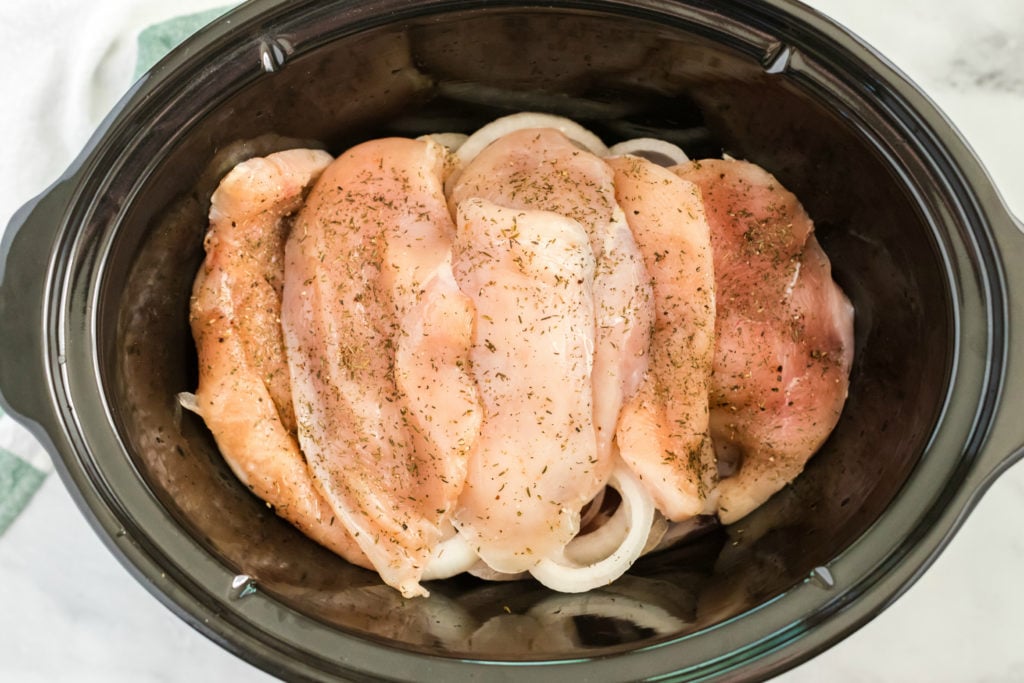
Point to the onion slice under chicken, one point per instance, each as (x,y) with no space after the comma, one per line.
(451,556)
(587,549)
(482,570)
(592,509)
(656,151)
(626,539)
(508,124)
(450,140)
(188,401)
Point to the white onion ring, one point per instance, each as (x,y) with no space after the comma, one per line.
(482,570)
(509,124)
(450,140)
(451,556)
(601,542)
(594,508)
(651,147)
(562,574)
(189,402)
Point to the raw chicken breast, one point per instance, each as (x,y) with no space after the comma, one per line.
(663,430)
(784,333)
(542,169)
(530,275)
(244,394)
(378,339)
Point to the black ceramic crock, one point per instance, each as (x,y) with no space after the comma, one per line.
(96,275)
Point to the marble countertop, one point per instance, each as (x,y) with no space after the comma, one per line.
(71,612)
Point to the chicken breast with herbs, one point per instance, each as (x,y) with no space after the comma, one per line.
(663,430)
(542,169)
(378,339)
(531,277)
(784,333)
(244,393)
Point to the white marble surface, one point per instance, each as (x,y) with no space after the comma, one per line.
(70,612)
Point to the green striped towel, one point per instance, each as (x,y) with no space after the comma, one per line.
(23,462)
(23,467)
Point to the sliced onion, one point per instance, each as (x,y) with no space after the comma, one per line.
(593,508)
(564,575)
(509,124)
(658,151)
(451,556)
(189,402)
(482,570)
(601,542)
(450,140)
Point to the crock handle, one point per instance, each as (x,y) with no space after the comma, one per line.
(24,258)
(1005,444)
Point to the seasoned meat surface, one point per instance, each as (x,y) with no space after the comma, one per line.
(542,169)
(784,333)
(367,279)
(531,275)
(663,430)
(244,394)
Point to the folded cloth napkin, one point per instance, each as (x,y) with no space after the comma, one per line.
(24,464)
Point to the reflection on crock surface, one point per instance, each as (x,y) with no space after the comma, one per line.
(518,619)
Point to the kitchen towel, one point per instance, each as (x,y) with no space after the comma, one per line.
(23,466)
(85,89)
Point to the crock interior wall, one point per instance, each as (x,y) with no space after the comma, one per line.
(623,79)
